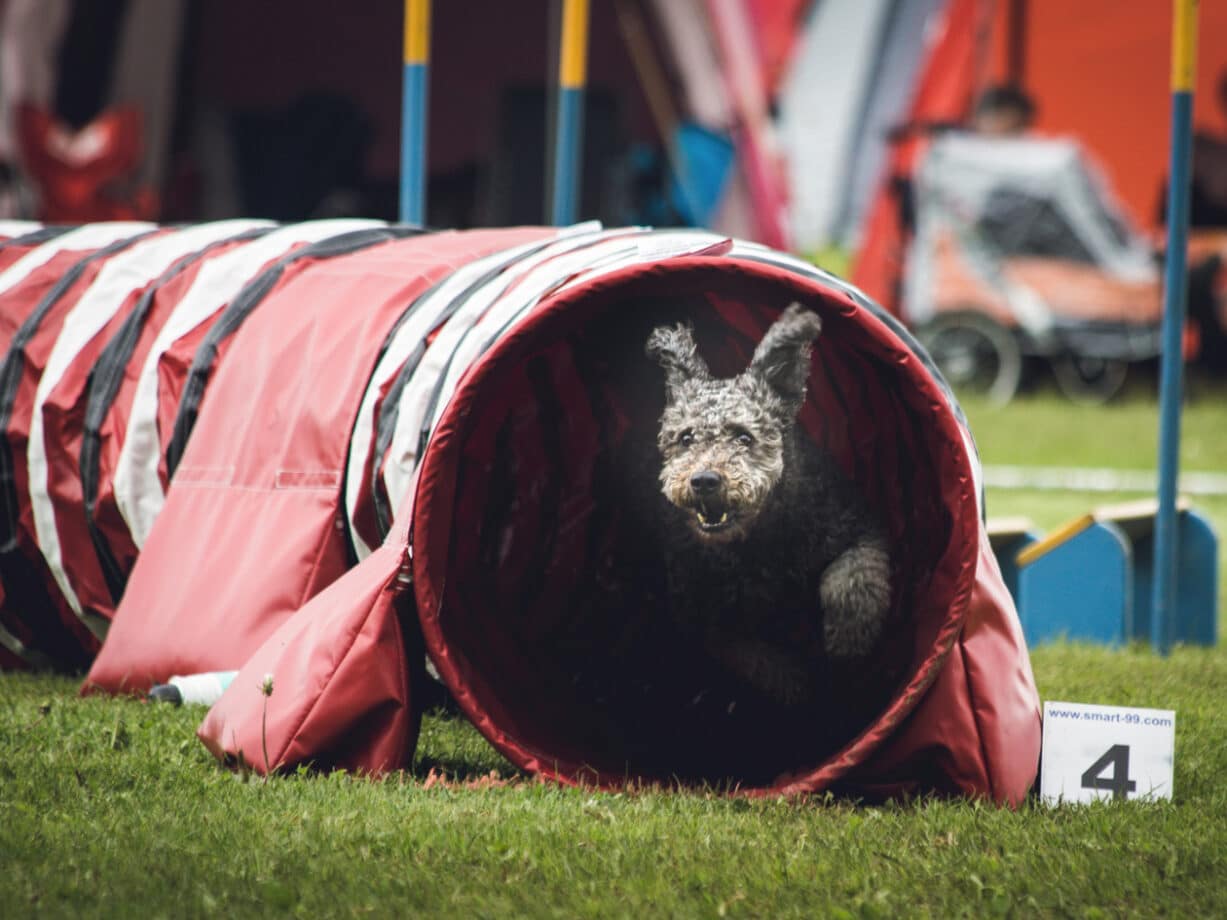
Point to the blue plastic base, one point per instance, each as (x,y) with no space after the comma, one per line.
(1098,586)
(1081,589)
(1196,583)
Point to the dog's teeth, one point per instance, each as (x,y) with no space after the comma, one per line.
(724,518)
(702,520)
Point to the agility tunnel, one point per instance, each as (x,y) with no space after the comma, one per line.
(318,451)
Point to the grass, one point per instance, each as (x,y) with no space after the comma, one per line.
(112,808)
(1044,430)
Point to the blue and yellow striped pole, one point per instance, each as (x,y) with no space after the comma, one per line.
(1184,55)
(413,112)
(569,123)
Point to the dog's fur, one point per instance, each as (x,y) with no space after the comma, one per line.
(772,558)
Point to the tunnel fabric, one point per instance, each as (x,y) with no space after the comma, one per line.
(484,386)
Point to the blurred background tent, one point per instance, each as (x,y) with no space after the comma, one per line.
(227,95)
(178,109)
(1097,71)
(786,121)
(1096,75)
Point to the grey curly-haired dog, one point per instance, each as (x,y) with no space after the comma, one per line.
(772,557)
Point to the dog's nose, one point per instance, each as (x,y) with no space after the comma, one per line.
(706,482)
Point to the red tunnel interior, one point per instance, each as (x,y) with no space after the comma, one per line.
(538,573)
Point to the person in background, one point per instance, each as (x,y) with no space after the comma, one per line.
(1207,294)
(1208,191)
(1003,111)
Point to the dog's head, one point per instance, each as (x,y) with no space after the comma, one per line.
(723,440)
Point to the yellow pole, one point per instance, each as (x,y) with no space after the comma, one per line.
(413,112)
(568,128)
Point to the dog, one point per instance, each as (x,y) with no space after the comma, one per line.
(773,560)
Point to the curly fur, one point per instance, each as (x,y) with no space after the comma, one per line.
(771,555)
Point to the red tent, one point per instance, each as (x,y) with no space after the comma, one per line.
(1100,71)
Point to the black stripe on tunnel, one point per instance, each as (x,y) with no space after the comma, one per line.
(389,410)
(247,300)
(36,237)
(26,597)
(104,380)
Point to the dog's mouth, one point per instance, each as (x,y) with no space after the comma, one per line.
(713,517)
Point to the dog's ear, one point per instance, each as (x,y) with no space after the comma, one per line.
(782,357)
(673,348)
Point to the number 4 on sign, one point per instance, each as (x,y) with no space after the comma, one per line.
(1119,783)
(1106,752)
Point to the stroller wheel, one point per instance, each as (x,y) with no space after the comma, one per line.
(975,353)
(1087,380)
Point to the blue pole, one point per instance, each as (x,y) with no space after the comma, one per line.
(413,112)
(568,129)
(1184,44)
(567,136)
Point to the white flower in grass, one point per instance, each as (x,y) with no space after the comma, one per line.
(266,685)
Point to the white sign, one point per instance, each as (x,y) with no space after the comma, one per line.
(1106,752)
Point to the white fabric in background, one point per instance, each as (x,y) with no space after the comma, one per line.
(821,102)
(30,36)
(146,76)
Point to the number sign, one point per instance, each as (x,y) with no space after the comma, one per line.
(1106,752)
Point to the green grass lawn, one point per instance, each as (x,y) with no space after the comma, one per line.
(111,808)
(1045,430)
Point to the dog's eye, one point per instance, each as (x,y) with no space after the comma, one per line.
(686,439)
(745,439)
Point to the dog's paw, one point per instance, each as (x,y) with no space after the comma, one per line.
(855,595)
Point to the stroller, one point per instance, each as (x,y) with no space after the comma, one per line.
(1020,254)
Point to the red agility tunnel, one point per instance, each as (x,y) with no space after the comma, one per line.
(137,385)
(57,417)
(17,238)
(40,294)
(86,420)
(473,417)
(90,315)
(107,391)
(524,539)
(252,525)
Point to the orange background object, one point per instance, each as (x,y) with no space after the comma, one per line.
(1100,70)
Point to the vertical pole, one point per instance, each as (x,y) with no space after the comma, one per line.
(413,112)
(1016,50)
(1184,47)
(568,125)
